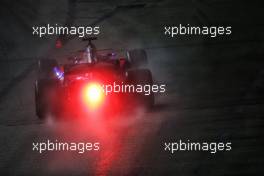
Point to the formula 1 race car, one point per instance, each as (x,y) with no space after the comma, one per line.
(93,82)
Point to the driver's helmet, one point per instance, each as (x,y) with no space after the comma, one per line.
(89,55)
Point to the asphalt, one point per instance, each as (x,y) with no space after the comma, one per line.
(214,93)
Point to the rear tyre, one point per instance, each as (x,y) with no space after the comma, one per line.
(44,86)
(137,58)
(142,77)
(45,97)
(45,67)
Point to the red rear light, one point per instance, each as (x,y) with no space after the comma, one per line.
(93,95)
(58,43)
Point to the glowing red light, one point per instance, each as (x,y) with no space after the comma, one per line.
(58,43)
(93,95)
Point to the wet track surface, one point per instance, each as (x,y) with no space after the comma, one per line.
(214,93)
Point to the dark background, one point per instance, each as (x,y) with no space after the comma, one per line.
(214,88)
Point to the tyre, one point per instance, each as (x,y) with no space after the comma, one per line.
(45,97)
(142,77)
(45,67)
(137,58)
